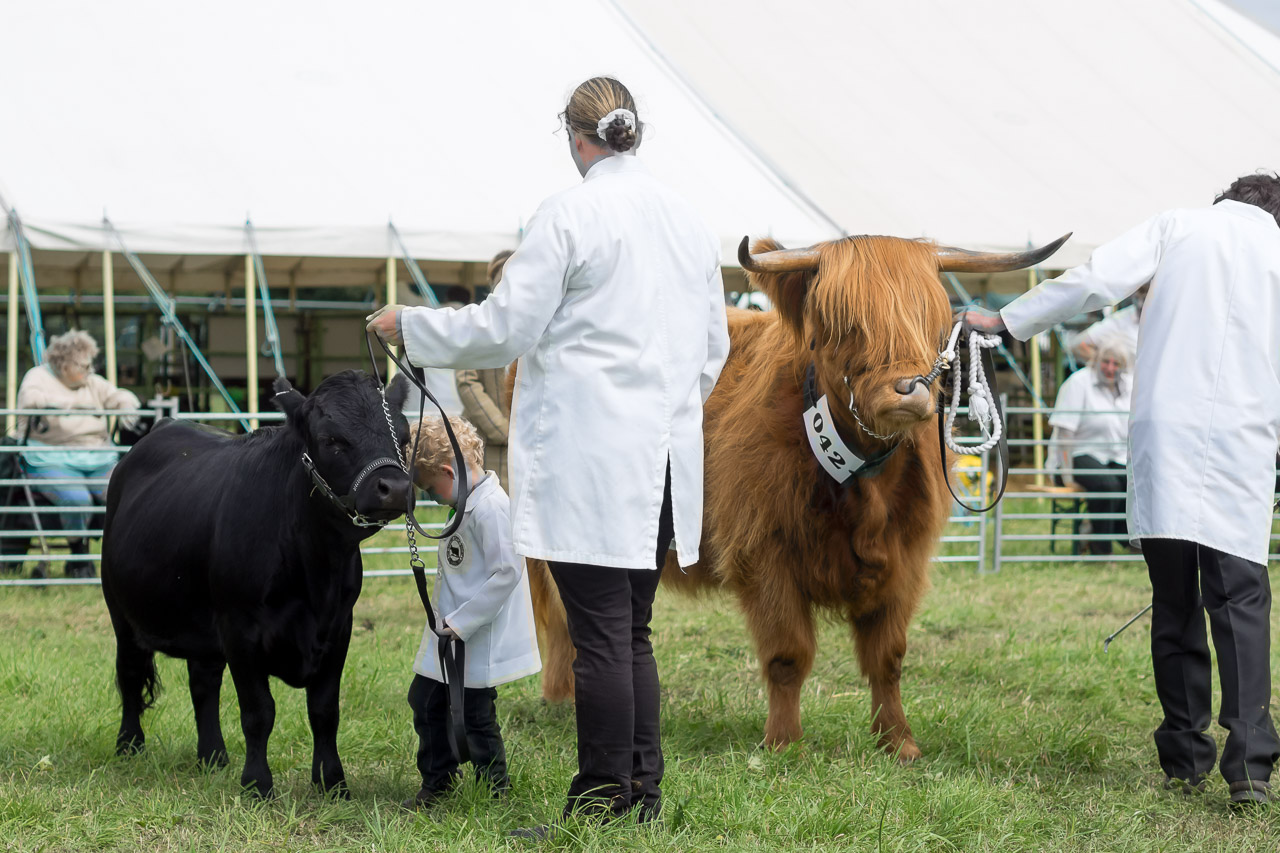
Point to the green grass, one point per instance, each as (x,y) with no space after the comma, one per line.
(1033,739)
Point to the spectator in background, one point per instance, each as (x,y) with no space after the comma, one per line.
(1120,327)
(66,381)
(483,397)
(1090,440)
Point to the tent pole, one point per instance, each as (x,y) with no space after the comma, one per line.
(392,299)
(11,359)
(109,314)
(251,340)
(1037,420)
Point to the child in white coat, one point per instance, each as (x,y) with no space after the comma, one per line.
(482,596)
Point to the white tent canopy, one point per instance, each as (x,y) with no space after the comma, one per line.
(322,120)
(986,124)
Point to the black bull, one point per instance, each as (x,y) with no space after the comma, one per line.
(220,550)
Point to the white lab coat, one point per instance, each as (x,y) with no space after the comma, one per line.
(482,593)
(1205,421)
(615,307)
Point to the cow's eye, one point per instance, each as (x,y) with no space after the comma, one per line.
(334,443)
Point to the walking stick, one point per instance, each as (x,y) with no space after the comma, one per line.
(1136,617)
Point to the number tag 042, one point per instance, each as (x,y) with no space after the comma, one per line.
(838,460)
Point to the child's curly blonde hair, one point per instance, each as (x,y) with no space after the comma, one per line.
(434,450)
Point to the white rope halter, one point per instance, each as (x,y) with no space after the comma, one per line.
(982,402)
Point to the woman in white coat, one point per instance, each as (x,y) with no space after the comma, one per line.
(614,306)
(1204,429)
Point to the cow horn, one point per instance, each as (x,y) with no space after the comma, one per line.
(782,260)
(963,260)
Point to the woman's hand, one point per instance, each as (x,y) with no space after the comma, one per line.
(981,319)
(385,322)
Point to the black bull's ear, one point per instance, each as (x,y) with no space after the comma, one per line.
(397,392)
(287,398)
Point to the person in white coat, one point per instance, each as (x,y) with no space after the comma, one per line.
(482,595)
(1204,429)
(615,307)
(1090,423)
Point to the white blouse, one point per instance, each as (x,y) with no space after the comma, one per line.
(1096,415)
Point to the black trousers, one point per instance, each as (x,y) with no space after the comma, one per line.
(429,700)
(617,700)
(1186,580)
(1097,476)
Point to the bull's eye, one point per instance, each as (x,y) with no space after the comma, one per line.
(333,443)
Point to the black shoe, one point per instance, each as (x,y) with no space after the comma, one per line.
(1187,787)
(1249,795)
(542,832)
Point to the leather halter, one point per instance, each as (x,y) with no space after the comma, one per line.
(346,504)
(870,465)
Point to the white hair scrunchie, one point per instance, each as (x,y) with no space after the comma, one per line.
(628,118)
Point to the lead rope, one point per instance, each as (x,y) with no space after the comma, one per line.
(984,407)
(451,651)
(982,402)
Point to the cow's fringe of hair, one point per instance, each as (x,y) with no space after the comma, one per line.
(871,285)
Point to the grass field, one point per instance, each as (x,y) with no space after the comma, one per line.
(1033,739)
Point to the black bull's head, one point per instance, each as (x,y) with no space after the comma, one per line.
(871,314)
(345,432)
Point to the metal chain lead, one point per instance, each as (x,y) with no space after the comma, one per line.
(861,425)
(415,560)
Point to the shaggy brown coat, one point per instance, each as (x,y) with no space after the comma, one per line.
(778,532)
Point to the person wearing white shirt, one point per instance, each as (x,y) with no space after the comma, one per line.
(1090,424)
(1204,430)
(482,595)
(1120,327)
(615,307)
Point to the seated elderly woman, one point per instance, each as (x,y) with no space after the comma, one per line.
(1090,437)
(66,381)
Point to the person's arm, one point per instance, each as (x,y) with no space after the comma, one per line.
(481,409)
(31,397)
(1083,347)
(1065,419)
(1115,270)
(1062,441)
(717,335)
(497,558)
(111,397)
(511,320)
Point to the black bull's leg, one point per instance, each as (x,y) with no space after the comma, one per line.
(322,710)
(257,718)
(205,677)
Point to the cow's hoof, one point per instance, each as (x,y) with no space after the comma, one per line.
(778,743)
(258,791)
(779,738)
(908,753)
(129,744)
(337,792)
(213,760)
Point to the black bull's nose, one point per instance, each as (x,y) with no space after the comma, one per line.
(388,490)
